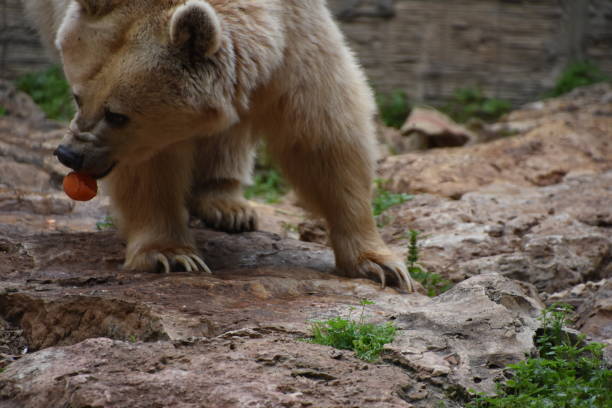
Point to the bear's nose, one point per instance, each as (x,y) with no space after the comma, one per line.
(69,158)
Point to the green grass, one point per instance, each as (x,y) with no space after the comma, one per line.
(365,339)
(50,91)
(568,372)
(393,108)
(469,103)
(577,74)
(433,283)
(384,199)
(106,223)
(268,184)
(2,111)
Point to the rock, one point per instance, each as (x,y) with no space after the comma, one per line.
(534,207)
(556,142)
(19,104)
(391,141)
(466,336)
(210,372)
(96,334)
(234,339)
(594,99)
(29,150)
(553,237)
(575,296)
(35,203)
(595,313)
(27,141)
(429,128)
(12,343)
(281,218)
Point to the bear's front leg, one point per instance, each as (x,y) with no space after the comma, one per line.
(223,163)
(149,203)
(335,181)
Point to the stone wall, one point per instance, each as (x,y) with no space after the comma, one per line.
(512,49)
(20,49)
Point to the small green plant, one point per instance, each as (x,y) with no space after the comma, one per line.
(393,108)
(50,91)
(577,74)
(384,199)
(106,223)
(433,283)
(2,111)
(568,373)
(365,339)
(268,185)
(468,103)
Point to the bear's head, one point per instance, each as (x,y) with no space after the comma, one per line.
(145,74)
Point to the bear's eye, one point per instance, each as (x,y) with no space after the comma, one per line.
(115,119)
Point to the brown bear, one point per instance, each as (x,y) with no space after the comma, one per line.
(172,96)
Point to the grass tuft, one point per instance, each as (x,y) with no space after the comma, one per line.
(393,108)
(433,283)
(469,103)
(365,339)
(577,74)
(384,199)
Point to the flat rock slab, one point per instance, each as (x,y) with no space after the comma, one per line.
(102,337)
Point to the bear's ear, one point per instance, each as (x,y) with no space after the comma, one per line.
(98,8)
(195,27)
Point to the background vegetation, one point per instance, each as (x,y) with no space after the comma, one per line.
(50,91)
(567,373)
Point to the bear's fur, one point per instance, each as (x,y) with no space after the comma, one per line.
(172,95)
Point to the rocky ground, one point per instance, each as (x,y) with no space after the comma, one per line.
(517,222)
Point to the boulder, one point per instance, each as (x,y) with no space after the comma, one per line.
(428,128)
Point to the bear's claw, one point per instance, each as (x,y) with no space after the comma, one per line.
(388,268)
(191,263)
(166,261)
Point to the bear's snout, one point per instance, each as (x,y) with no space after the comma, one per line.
(69,157)
(87,158)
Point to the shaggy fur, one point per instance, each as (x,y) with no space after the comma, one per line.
(199,82)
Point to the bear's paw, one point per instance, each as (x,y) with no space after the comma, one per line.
(167,260)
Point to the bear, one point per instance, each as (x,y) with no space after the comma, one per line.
(172,97)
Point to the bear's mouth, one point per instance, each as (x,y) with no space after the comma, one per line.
(105,172)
